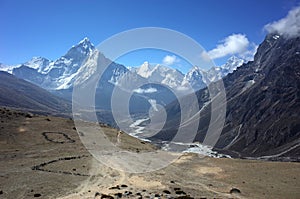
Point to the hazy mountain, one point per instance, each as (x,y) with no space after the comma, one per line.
(263,103)
(18,93)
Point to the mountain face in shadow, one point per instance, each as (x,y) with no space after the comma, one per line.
(18,93)
(263,104)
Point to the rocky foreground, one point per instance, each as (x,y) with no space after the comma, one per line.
(42,157)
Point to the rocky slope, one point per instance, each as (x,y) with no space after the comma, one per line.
(263,103)
(18,93)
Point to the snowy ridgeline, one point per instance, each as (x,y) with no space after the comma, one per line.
(61,73)
(197,148)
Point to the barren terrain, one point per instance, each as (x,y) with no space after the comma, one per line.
(42,157)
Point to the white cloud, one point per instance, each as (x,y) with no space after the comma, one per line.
(148,90)
(170,60)
(233,44)
(288,26)
(249,54)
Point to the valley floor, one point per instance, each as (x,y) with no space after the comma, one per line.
(42,157)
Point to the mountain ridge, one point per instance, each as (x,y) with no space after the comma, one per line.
(20,94)
(263,103)
(62,72)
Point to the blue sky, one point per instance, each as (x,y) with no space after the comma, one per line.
(48,28)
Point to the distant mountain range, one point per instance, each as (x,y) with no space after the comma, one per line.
(60,74)
(263,103)
(58,77)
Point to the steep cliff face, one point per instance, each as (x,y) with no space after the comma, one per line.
(263,104)
(263,109)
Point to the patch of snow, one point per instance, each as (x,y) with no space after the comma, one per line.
(275,37)
(6,68)
(153,104)
(138,129)
(148,90)
(192,148)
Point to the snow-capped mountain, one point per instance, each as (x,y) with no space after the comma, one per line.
(61,73)
(232,64)
(6,68)
(217,73)
(194,78)
(58,74)
(198,78)
(159,74)
(38,63)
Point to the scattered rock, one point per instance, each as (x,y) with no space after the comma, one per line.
(172,181)
(106,196)
(1,192)
(156,195)
(166,192)
(119,195)
(127,193)
(97,194)
(116,187)
(235,190)
(179,192)
(29,115)
(48,119)
(176,189)
(36,195)
(186,197)
(124,186)
(66,138)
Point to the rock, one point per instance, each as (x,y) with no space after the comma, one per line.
(166,192)
(97,194)
(176,188)
(1,192)
(127,193)
(180,192)
(29,115)
(124,186)
(119,195)
(235,190)
(186,197)
(36,195)
(102,196)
